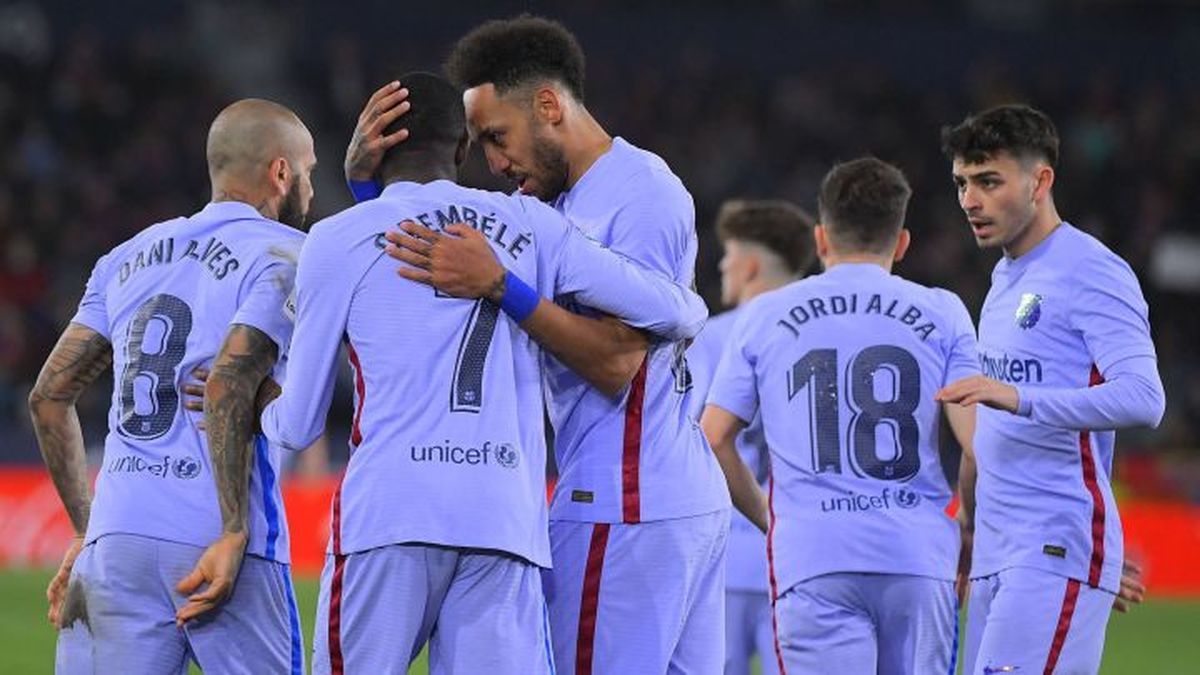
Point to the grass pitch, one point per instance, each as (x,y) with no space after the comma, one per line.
(1160,637)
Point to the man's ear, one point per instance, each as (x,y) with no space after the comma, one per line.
(464,147)
(548,104)
(1043,181)
(902,243)
(821,238)
(279,175)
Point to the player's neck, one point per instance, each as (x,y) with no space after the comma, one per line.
(834,259)
(583,145)
(418,168)
(231,193)
(1045,221)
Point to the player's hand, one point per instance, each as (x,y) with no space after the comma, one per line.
(218,567)
(268,391)
(193,394)
(980,389)
(56,592)
(368,142)
(1133,591)
(459,262)
(962,580)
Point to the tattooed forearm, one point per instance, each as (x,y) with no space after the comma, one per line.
(245,361)
(78,359)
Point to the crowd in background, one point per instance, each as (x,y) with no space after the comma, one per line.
(103,135)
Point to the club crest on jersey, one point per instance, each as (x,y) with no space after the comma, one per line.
(1029,310)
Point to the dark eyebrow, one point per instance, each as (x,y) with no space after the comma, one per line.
(984,174)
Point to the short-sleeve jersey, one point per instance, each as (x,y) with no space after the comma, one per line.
(165,299)
(843,367)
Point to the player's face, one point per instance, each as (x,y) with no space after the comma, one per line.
(517,146)
(998,197)
(293,211)
(737,266)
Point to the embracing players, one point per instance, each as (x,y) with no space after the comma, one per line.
(640,514)
(439,528)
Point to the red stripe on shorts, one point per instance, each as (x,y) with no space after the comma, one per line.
(1088,460)
(771,570)
(631,498)
(1064,624)
(335,586)
(590,602)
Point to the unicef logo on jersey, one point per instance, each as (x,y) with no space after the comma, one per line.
(186,468)
(507,457)
(1029,310)
(907,499)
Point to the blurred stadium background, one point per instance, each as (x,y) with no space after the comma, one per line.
(104,109)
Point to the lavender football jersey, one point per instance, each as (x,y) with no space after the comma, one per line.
(641,456)
(843,367)
(448,439)
(1056,320)
(165,299)
(746,552)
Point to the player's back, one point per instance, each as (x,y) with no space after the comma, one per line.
(638,457)
(449,447)
(165,299)
(846,364)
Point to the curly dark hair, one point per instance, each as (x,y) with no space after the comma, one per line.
(1022,131)
(509,53)
(784,228)
(862,203)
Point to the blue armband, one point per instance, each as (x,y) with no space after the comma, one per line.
(519,299)
(364,190)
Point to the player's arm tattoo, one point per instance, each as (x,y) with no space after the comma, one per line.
(231,417)
(75,362)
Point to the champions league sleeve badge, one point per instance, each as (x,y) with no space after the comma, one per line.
(1029,310)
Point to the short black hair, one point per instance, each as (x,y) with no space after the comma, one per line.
(1022,131)
(436,116)
(513,52)
(862,203)
(781,226)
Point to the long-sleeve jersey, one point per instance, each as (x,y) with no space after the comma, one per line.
(842,367)
(165,299)
(1064,317)
(448,431)
(640,456)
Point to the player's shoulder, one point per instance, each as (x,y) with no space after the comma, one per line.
(1085,261)
(147,235)
(641,172)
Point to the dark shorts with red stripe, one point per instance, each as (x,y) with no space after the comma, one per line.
(1025,620)
(638,598)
